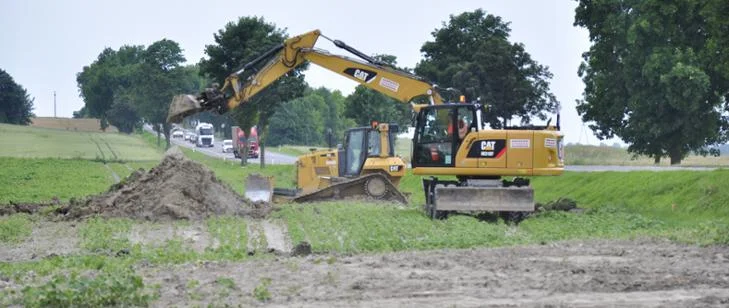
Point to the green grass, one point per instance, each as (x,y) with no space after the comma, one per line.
(605,155)
(688,206)
(234,174)
(14,228)
(41,179)
(294,150)
(121,288)
(360,227)
(685,195)
(35,142)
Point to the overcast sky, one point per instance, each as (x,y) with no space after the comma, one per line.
(46,43)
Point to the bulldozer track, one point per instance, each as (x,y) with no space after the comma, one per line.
(356,188)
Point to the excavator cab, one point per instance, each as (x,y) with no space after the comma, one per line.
(440,131)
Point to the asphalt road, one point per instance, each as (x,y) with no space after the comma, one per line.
(217,151)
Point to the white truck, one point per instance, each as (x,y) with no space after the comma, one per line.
(205,138)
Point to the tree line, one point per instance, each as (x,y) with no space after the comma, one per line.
(123,86)
(656,76)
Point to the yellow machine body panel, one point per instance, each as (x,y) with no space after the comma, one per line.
(505,153)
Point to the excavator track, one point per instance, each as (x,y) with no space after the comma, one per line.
(373,186)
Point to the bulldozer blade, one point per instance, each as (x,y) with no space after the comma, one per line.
(182,106)
(453,198)
(259,188)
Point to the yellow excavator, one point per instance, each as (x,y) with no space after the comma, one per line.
(451,139)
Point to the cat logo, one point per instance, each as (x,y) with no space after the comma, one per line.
(487,148)
(488,145)
(361,75)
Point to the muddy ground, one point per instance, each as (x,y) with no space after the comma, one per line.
(576,274)
(641,273)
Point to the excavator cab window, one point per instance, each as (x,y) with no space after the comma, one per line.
(433,143)
(440,130)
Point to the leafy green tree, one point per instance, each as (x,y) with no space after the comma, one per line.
(472,54)
(159,78)
(239,43)
(16,106)
(81,113)
(366,105)
(299,121)
(112,73)
(123,115)
(335,120)
(656,75)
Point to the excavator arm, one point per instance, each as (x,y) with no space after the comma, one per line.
(278,61)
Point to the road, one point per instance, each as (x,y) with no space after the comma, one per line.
(217,151)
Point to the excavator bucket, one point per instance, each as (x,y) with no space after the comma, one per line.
(182,106)
(259,188)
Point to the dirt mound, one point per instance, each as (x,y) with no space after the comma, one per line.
(177,188)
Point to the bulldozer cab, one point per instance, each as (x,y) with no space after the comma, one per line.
(361,143)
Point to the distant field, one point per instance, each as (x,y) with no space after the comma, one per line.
(81,125)
(603,155)
(36,142)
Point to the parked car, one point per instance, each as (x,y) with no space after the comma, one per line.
(177,134)
(227,145)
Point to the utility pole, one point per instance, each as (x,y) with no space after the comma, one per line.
(54,104)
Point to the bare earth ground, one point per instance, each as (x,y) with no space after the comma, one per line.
(642,273)
(576,274)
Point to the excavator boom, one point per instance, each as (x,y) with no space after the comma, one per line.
(281,59)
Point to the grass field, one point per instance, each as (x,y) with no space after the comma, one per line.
(604,155)
(35,142)
(76,125)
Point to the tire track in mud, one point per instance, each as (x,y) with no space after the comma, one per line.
(276,237)
(116,177)
(268,236)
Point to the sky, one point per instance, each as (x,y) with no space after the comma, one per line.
(46,43)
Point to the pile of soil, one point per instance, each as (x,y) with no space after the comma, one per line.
(177,188)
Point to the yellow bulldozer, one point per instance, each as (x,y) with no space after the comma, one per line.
(491,166)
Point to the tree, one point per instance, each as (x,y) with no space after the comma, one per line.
(654,75)
(123,115)
(472,54)
(159,78)
(16,106)
(299,121)
(239,43)
(112,73)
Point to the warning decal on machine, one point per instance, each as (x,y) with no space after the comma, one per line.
(389,84)
(519,143)
(550,143)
